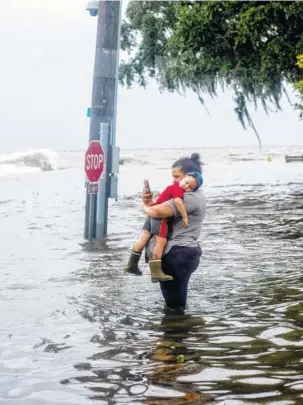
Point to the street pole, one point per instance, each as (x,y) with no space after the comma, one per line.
(102,211)
(103,115)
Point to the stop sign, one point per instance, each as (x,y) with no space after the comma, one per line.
(94,162)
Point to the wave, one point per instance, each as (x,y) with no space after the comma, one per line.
(5,202)
(246,159)
(43,159)
(130,160)
(247,185)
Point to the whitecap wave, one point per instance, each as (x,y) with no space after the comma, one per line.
(33,160)
(131,160)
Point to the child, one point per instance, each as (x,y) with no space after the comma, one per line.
(191,182)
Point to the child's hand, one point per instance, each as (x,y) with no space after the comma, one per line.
(185,222)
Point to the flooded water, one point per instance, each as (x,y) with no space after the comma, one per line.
(76,330)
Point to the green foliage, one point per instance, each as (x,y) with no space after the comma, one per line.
(248,47)
(299,85)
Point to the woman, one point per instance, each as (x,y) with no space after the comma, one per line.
(182,253)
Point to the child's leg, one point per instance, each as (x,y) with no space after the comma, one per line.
(135,254)
(145,237)
(159,248)
(160,229)
(161,238)
(140,245)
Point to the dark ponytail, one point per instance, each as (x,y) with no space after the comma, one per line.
(192,164)
(195,157)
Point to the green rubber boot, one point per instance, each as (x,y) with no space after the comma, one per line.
(157,273)
(132,265)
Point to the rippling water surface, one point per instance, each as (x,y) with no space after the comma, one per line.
(76,330)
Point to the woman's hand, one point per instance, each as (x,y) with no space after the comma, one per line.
(147,198)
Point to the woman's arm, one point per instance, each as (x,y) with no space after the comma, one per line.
(159,211)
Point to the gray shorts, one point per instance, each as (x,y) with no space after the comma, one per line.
(156,226)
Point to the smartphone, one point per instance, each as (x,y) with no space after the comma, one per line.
(146,187)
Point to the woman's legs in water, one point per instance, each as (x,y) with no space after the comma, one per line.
(180,262)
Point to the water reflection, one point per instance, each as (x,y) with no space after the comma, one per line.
(141,360)
(246,349)
(174,350)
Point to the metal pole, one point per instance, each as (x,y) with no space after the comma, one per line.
(101,228)
(91,229)
(104,109)
(113,134)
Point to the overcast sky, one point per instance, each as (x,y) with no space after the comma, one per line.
(47,56)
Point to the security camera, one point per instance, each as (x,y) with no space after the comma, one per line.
(92,7)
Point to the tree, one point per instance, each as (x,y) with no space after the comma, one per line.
(248,47)
(299,86)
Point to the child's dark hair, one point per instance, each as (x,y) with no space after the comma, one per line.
(192,164)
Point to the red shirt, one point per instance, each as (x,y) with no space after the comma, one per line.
(172,191)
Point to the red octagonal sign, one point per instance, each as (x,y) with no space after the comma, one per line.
(94,161)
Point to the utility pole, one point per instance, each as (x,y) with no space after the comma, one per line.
(103,114)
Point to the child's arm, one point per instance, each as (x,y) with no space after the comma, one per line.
(180,207)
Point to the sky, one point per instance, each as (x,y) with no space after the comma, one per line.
(47,58)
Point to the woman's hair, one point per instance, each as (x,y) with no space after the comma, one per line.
(192,164)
